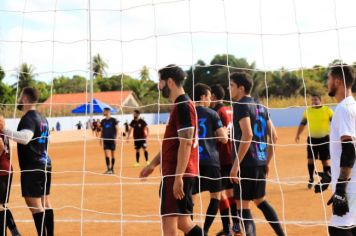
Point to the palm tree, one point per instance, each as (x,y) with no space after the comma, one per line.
(25,75)
(99,66)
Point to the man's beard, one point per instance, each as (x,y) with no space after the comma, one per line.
(19,107)
(166,91)
(332,92)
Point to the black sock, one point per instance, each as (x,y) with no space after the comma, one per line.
(10,222)
(271,217)
(137,156)
(311,171)
(112,163)
(49,222)
(233,211)
(146,155)
(107,160)
(196,231)
(249,224)
(224,214)
(211,213)
(38,218)
(327,169)
(2,225)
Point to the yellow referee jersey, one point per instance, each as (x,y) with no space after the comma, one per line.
(318,120)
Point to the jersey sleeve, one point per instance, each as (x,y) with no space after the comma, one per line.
(185,115)
(240,111)
(347,124)
(304,118)
(116,122)
(131,124)
(217,123)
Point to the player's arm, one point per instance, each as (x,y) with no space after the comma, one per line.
(129,133)
(2,146)
(245,142)
(186,137)
(147,170)
(221,134)
(300,130)
(272,139)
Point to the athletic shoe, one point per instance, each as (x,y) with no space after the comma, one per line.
(236,229)
(147,163)
(108,172)
(112,171)
(222,233)
(310,183)
(136,164)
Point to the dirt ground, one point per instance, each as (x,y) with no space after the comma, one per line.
(91,203)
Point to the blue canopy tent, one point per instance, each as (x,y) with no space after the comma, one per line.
(98,107)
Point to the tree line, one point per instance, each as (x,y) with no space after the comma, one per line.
(276,84)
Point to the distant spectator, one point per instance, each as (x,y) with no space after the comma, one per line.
(58,126)
(79,125)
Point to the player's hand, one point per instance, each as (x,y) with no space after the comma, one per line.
(325,179)
(2,123)
(178,191)
(297,139)
(339,201)
(267,170)
(146,171)
(233,174)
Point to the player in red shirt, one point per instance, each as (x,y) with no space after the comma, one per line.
(5,186)
(179,156)
(227,201)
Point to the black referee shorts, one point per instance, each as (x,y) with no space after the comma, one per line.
(225,173)
(319,147)
(36,183)
(140,144)
(212,183)
(252,183)
(5,187)
(109,145)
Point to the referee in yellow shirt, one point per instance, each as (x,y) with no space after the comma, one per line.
(318,118)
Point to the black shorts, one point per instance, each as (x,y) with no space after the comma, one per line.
(140,144)
(347,231)
(35,182)
(109,145)
(212,183)
(225,173)
(320,147)
(5,187)
(169,204)
(252,183)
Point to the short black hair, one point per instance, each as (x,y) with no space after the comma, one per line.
(174,72)
(137,112)
(316,95)
(106,109)
(343,72)
(32,94)
(242,79)
(200,90)
(218,91)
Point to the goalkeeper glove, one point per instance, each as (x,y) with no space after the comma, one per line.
(339,199)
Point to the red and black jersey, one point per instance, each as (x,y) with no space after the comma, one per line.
(5,167)
(182,116)
(225,150)
(139,127)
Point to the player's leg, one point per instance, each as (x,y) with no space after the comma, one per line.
(187,226)
(112,152)
(144,147)
(35,206)
(49,214)
(5,186)
(224,207)
(212,210)
(107,159)
(248,223)
(170,225)
(137,149)
(311,167)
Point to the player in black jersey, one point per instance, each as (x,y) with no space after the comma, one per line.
(32,146)
(109,132)
(211,131)
(252,152)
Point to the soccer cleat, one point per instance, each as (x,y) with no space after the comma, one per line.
(108,172)
(310,183)
(147,163)
(112,171)
(236,229)
(136,164)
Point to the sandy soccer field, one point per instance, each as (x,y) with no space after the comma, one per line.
(97,204)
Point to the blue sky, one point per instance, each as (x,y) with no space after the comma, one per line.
(172,21)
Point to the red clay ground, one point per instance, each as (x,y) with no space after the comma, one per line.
(127,206)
